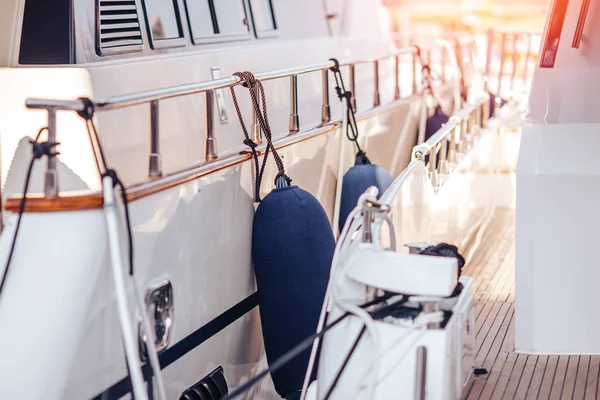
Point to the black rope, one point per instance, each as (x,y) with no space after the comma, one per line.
(296,351)
(445,250)
(345,363)
(250,82)
(343,94)
(88,115)
(38,150)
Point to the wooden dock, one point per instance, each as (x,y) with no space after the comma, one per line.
(512,375)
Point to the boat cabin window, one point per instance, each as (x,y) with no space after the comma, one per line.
(231,17)
(263,16)
(162,18)
(217,19)
(46,32)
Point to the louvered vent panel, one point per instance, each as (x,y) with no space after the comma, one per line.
(119,24)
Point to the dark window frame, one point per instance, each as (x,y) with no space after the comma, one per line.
(264,34)
(217,37)
(156,44)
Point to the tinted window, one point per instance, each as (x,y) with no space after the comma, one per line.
(200,18)
(231,17)
(46,32)
(263,15)
(162,19)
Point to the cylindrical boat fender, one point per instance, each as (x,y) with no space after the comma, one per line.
(358,179)
(493,103)
(292,249)
(435,122)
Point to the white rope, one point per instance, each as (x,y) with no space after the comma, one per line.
(129,342)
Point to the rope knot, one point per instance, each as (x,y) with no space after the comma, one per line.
(336,66)
(112,174)
(250,143)
(282,176)
(248,79)
(44,149)
(88,109)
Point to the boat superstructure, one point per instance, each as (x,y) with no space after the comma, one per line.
(159,100)
(140,93)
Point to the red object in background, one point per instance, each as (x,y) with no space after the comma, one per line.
(557,20)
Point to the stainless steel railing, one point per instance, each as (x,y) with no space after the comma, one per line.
(510,45)
(450,143)
(154,97)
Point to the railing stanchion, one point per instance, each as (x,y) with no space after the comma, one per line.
(353,85)
(514,59)
(421,374)
(397,93)
(452,150)
(415,85)
(527,58)
(255,132)
(211,141)
(443,163)
(488,59)
(325,109)
(433,169)
(51,176)
(502,62)
(294,118)
(376,97)
(443,64)
(154,164)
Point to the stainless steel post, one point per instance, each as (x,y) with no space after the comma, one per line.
(154,167)
(294,118)
(211,141)
(421,373)
(51,177)
(325,109)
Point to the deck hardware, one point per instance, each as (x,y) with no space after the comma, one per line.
(444,76)
(325,109)
(397,93)
(502,62)
(211,142)
(370,207)
(294,117)
(376,97)
(415,85)
(513,75)
(527,56)
(160,309)
(220,96)
(255,132)
(154,162)
(353,85)
(51,176)
(421,373)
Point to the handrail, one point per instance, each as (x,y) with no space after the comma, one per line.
(505,38)
(123,101)
(153,98)
(453,139)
